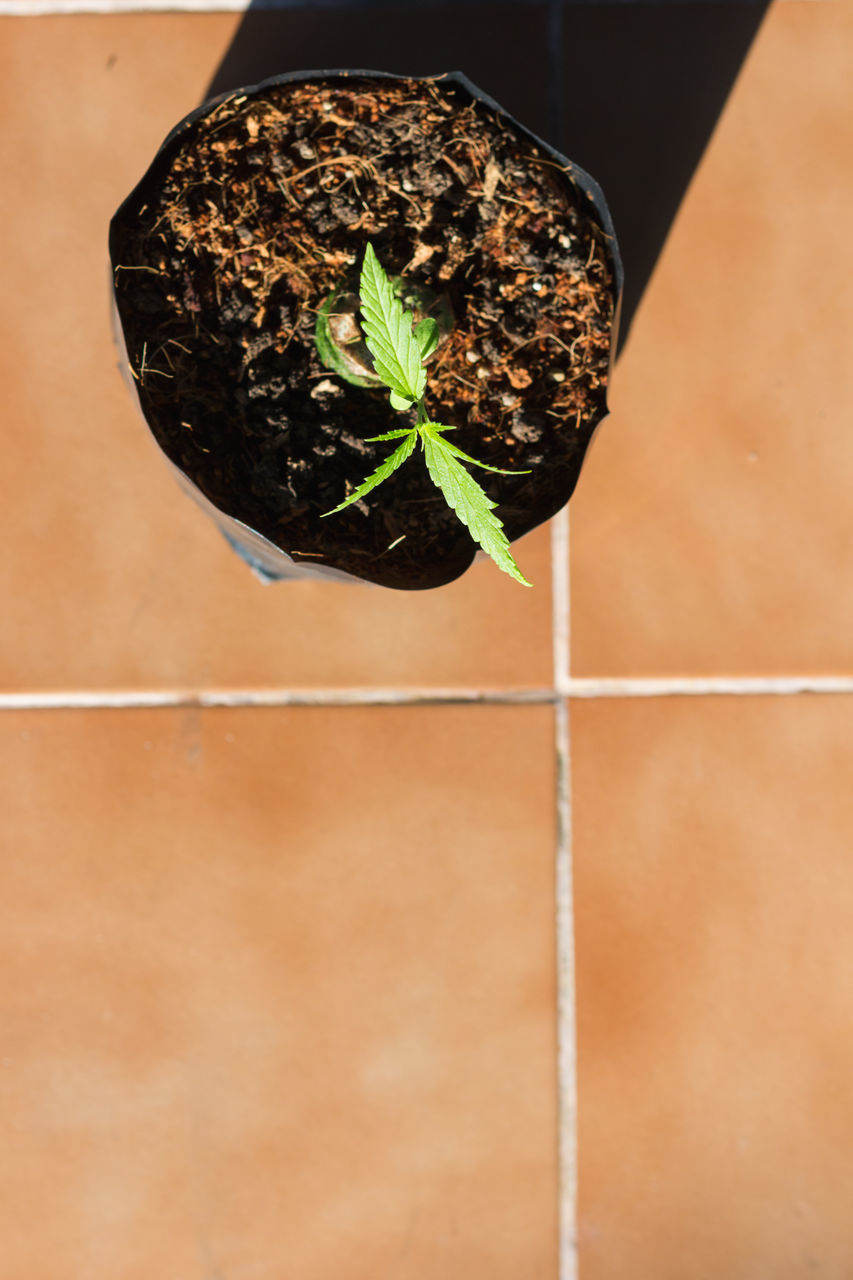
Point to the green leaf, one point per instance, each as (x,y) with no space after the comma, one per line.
(390,435)
(330,354)
(472,505)
(399,402)
(383,471)
(426,336)
(458,453)
(388,332)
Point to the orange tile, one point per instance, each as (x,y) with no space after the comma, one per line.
(277,993)
(111,577)
(713,531)
(714,902)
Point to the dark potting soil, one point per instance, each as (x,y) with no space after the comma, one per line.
(260,210)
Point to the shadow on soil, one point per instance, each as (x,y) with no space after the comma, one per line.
(629,90)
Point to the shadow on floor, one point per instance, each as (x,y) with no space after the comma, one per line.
(630,90)
(643,88)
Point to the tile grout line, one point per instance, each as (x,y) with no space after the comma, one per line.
(693,686)
(566,1008)
(59,8)
(84,700)
(560,603)
(565,687)
(567,1099)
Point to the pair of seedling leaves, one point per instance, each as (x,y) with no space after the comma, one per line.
(399,350)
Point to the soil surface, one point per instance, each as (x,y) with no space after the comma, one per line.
(254,215)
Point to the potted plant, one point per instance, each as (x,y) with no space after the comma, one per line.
(298,250)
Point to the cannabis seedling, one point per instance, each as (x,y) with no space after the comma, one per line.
(398,351)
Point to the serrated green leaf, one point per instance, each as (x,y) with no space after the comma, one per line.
(388,332)
(459,453)
(426,336)
(390,435)
(472,504)
(383,471)
(400,403)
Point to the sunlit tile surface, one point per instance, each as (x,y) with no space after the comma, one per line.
(714,913)
(277,993)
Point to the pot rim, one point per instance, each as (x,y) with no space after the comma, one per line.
(582,180)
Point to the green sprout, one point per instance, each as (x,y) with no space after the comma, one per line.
(399,349)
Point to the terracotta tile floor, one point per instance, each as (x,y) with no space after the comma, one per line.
(287,990)
(714,528)
(713,842)
(260,1014)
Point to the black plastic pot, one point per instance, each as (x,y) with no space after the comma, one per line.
(272,561)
